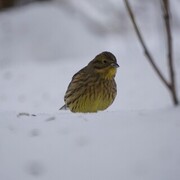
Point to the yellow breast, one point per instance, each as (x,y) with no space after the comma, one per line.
(96,98)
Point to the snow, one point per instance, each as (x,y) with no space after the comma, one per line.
(107,145)
(136,138)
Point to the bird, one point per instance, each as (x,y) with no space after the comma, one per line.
(93,88)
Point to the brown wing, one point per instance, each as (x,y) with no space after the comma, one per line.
(77,86)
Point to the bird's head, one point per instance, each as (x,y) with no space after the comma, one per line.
(105,64)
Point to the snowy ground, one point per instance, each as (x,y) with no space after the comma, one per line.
(108,145)
(136,138)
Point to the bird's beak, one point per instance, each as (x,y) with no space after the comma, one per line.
(115,65)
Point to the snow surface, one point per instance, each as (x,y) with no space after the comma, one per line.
(108,145)
(138,137)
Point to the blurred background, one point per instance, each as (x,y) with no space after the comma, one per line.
(44,42)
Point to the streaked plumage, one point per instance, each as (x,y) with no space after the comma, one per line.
(93,88)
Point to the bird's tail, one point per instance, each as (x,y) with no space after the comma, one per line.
(64,107)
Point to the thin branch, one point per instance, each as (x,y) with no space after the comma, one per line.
(165,8)
(166,12)
(146,51)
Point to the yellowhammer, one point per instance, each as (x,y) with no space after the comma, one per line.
(93,88)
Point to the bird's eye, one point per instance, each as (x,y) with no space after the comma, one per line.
(104,61)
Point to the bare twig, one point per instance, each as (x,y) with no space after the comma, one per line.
(146,51)
(166,12)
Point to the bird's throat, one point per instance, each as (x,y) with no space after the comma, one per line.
(107,73)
